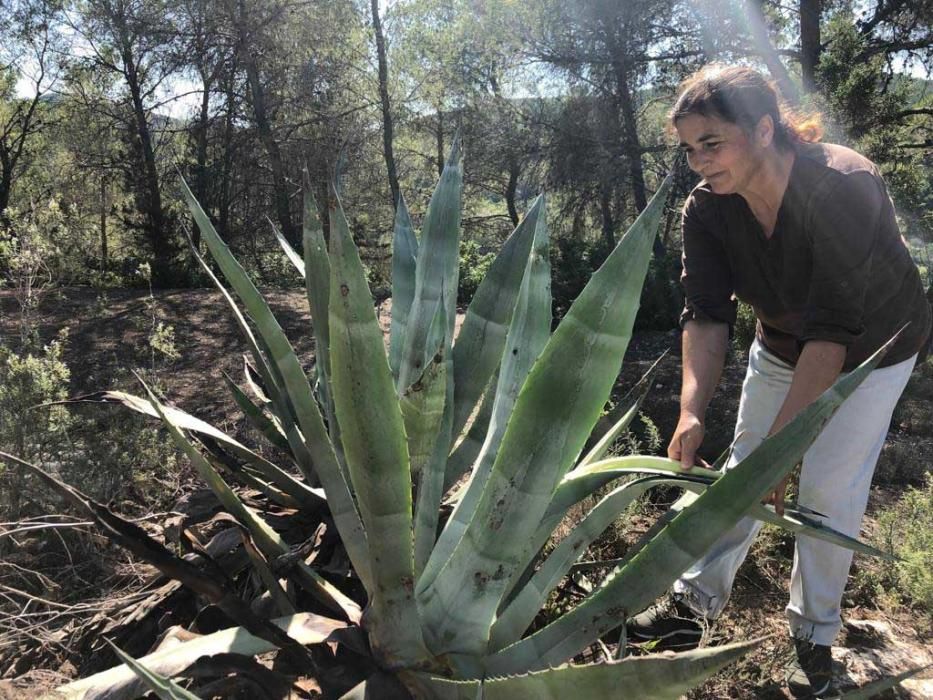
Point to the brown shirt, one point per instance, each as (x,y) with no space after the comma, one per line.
(836,267)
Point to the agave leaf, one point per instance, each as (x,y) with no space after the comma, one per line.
(528,333)
(654,677)
(254,414)
(626,410)
(431,481)
(437,269)
(585,480)
(874,689)
(309,498)
(465,452)
(261,564)
(165,688)
(375,446)
(266,538)
(298,390)
(482,336)
(423,405)
(554,413)
(797,522)
(516,618)
(255,382)
(317,287)
(404,261)
(683,540)
(248,478)
(290,253)
(120,683)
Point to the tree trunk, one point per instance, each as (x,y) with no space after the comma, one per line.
(200,177)
(440,142)
(510,189)
(764,47)
(104,257)
(149,194)
(247,54)
(810,11)
(605,212)
(6,184)
(280,193)
(386,107)
(631,141)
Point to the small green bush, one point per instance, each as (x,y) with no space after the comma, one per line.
(26,380)
(906,528)
(473,267)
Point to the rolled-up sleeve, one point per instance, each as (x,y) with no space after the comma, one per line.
(843,231)
(707,276)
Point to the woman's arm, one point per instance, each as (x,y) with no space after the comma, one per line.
(819,365)
(704,355)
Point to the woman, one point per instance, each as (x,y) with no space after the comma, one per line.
(806,234)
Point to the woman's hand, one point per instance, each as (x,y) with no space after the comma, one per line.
(688,436)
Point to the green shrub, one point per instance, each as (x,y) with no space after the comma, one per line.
(907,529)
(26,380)
(473,268)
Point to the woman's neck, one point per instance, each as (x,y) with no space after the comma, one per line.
(765,190)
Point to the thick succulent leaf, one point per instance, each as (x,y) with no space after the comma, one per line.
(483,334)
(800,523)
(266,538)
(875,689)
(298,390)
(375,446)
(586,480)
(255,383)
(317,287)
(684,540)
(423,406)
(431,478)
(518,616)
(120,683)
(555,412)
(404,262)
(465,452)
(309,498)
(290,253)
(437,269)
(625,411)
(528,333)
(255,415)
(653,677)
(163,687)
(267,576)
(247,477)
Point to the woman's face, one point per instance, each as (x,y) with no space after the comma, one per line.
(721,152)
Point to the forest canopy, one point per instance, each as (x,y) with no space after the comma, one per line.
(104,103)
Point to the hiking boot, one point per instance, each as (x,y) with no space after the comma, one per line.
(810,674)
(670,623)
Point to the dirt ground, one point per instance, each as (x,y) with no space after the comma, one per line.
(108,335)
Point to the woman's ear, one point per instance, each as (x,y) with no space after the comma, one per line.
(764,131)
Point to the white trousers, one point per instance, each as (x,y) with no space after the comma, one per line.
(834,480)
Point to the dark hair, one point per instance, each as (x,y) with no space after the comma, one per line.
(742,96)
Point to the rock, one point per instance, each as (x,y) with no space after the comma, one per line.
(873,650)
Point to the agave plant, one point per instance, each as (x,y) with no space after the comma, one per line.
(445,464)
